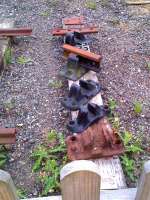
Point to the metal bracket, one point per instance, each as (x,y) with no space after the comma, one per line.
(87,115)
(79,95)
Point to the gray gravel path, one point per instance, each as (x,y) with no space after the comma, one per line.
(29,103)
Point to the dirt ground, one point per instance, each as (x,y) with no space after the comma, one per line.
(28,102)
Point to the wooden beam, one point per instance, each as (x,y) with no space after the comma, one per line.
(140,2)
(143,191)
(80,180)
(122,194)
(7,188)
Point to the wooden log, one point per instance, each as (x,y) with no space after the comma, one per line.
(80,180)
(143,191)
(7,188)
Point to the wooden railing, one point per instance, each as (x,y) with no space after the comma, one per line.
(80,180)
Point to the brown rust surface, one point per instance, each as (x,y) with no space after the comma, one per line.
(74,21)
(85,54)
(99,140)
(84,30)
(15,31)
(7,135)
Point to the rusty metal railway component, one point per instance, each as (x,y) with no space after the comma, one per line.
(80,52)
(85,30)
(74,21)
(15,31)
(7,135)
(99,140)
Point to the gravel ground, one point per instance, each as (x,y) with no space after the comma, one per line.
(27,100)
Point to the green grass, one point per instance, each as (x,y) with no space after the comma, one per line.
(8,56)
(21,60)
(148,65)
(44,13)
(132,147)
(137,106)
(55,84)
(21,193)
(112,104)
(91,5)
(48,159)
(3,157)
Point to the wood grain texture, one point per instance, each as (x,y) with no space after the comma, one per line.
(137,2)
(122,194)
(143,191)
(7,188)
(80,180)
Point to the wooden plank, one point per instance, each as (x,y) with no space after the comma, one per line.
(122,194)
(80,180)
(143,191)
(140,2)
(7,188)
(4,41)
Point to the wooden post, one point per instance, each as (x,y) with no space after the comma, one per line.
(143,191)
(7,188)
(80,180)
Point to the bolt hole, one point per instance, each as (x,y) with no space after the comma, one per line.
(73,138)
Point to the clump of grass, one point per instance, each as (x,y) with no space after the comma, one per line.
(132,147)
(148,65)
(49,158)
(9,105)
(23,60)
(44,14)
(3,157)
(91,5)
(55,84)
(21,193)
(8,56)
(137,107)
(112,104)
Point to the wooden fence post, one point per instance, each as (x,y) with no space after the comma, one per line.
(143,191)
(80,180)
(7,188)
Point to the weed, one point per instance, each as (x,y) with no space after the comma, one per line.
(128,166)
(48,160)
(148,65)
(112,104)
(9,105)
(55,84)
(23,60)
(3,157)
(21,193)
(137,107)
(91,5)
(132,146)
(52,135)
(44,14)
(8,56)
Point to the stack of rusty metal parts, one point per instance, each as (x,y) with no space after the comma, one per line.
(91,135)
(8,135)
